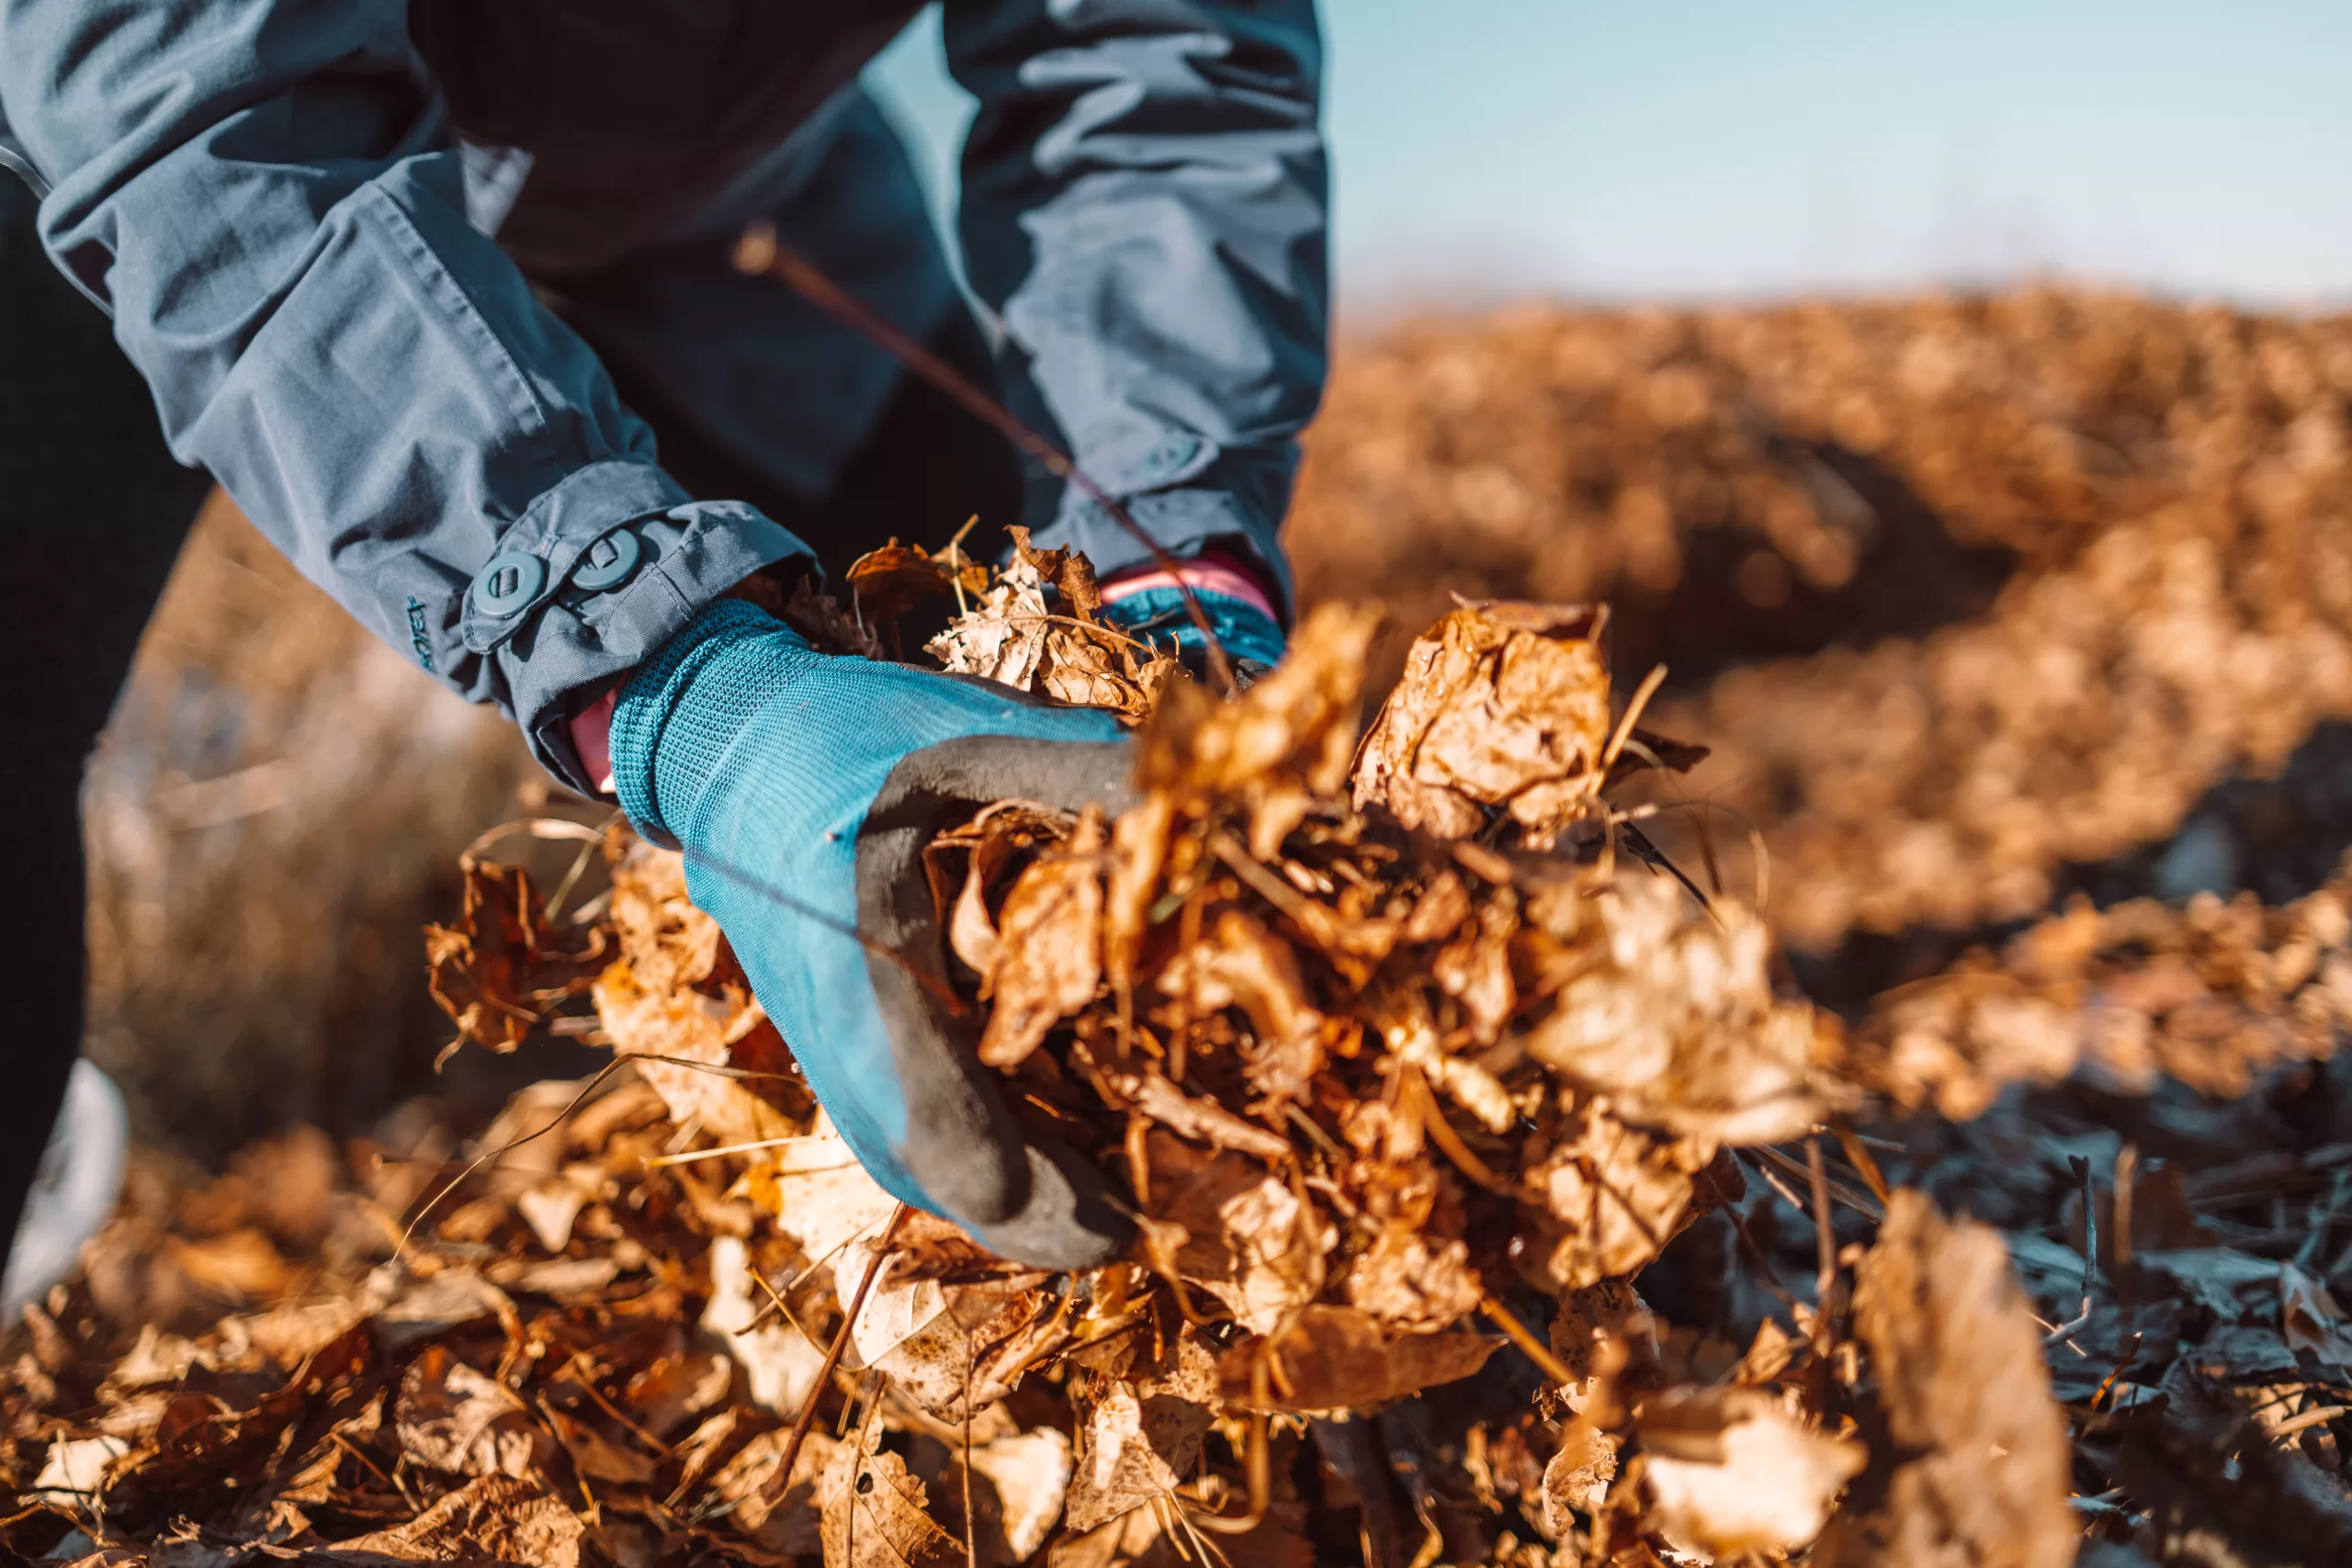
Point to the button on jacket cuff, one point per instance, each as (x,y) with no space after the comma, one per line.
(571,643)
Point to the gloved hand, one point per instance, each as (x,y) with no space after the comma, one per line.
(781,769)
(1149,605)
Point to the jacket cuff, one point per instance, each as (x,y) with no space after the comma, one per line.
(596,576)
(1184,522)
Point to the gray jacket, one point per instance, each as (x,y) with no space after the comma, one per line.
(323,229)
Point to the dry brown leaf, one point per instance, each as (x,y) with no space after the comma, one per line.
(786,1521)
(874,1515)
(1409,1282)
(886,583)
(1240,965)
(455,1419)
(780,1364)
(675,1387)
(968,866)
(2309,1318)
(816,616)
(1247,1238)
(1967,1400)
(1500,706)
(1202,1120)
(1676,1021)
(1610,1197)
(1003,637)
(1022,1481)
(1336,1358)
(493,1518)
(1049,955)
(494,972)
(1276,748)
(1139,1439)
(1729,1470)
(1601,1333)
(950,1346)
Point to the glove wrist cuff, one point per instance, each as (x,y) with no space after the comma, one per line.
(654,707)
(1158,614)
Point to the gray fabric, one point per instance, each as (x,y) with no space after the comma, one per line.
(273,198)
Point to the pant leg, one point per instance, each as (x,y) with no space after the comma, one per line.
(92,511)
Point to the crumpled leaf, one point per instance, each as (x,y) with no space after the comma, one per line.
(1967,1399)
(493,1518)
(1049,954)
(1676,1020)
(496,973)
(1335,1358)
(1276,748)
(1239,965)
(1406,1281)
(874,1515)
(952,1346)
(1003,637)
(1500,705)
(452,1417)
(1002,836)
(1238,1234)
(675,992)
(1022,1481)
(1729,1470)
(1137,1441)
(1611,1197)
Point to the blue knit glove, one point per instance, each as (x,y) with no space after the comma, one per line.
(1250,638)
(779,769)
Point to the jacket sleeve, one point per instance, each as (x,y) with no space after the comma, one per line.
(1145,205)
(264,195)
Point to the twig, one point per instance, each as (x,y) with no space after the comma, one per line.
(1861,1203)
(1448,1141)
(691,1155)
(1756,1252)
(762,251)
(2081,1170)
(1774,1179)
(971,1523)
(2295,1423)
(488,1155)
(1259,1461)
(807,1416)
(1858,1154)
(1641,699)
(1826,1245)
(2127,1168)
(1551,1366)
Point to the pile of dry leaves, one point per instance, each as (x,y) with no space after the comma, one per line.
(1960,591)
(1410,1055)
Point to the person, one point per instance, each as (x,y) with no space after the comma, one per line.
(440,295)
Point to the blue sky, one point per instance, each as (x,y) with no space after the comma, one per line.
(1686,148)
